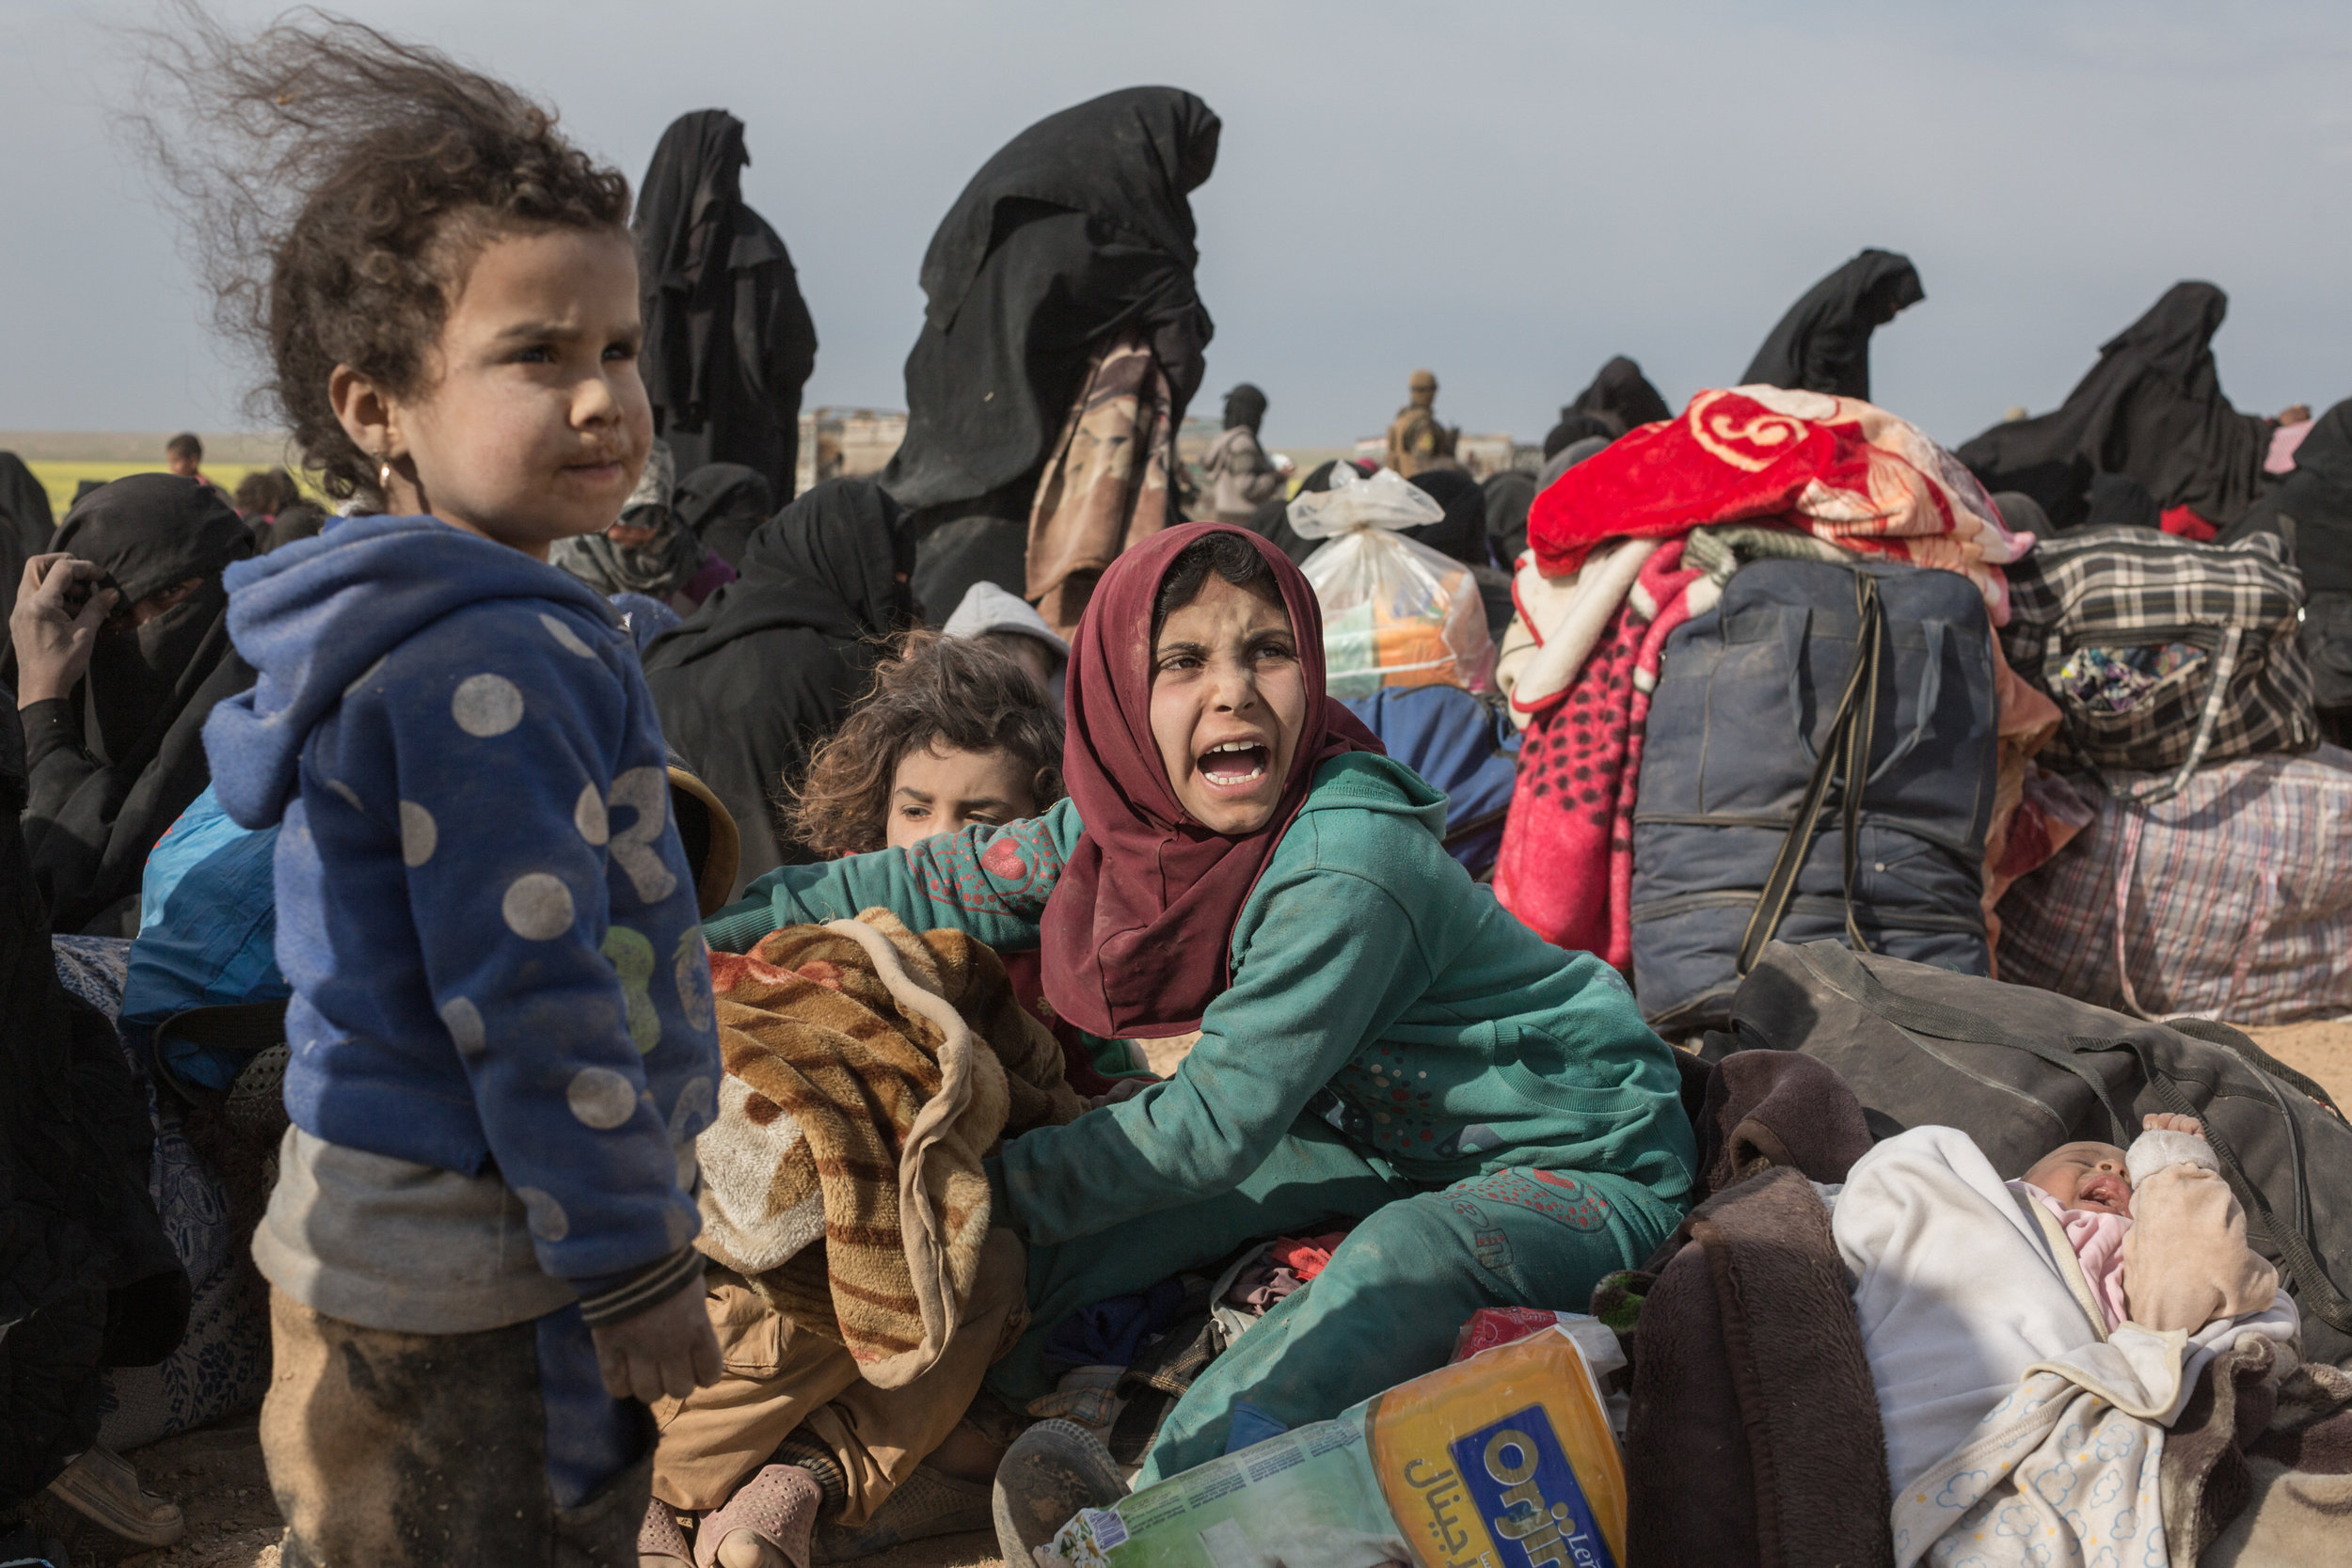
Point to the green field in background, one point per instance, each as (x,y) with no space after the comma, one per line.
(61,478)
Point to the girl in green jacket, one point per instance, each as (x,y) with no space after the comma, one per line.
(1380,1042)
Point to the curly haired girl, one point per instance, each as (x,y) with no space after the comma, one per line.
(480,1246)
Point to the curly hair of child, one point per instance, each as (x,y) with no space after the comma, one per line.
(336,184)
(950,692)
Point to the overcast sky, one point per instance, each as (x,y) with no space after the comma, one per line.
(1506,193)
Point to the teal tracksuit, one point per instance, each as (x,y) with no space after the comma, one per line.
(1394,1048)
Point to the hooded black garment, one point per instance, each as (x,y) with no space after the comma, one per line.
(24,524)
(1245,405)
(1576,425)
(2312,507)
(1079,227)
(1621,398)
(771,662)
(1509,494)
(2311,510)
(721,503)
(728,339)
(1824,343)
(2119,500)
(2152,407)
(115,763)
(87,1279)
(1461,534)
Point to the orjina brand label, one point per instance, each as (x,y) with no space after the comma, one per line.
(1541,1487)
(1525,1494)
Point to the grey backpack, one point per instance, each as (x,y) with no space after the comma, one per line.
(2022,1072)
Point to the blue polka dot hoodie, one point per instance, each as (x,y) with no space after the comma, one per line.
(483,905)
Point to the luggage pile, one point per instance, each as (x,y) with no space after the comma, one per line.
(1784,672)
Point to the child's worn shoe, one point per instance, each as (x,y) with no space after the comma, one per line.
(1054,1469)
(767,1524)
(104,1488)
(661,1540)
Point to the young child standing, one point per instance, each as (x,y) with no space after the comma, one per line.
(480,1244)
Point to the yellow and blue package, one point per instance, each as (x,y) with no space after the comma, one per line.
(1502,1460)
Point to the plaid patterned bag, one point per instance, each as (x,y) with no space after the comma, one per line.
(2128,589)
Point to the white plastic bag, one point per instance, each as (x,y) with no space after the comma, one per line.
(1395,612)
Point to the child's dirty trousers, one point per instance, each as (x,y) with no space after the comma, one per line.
(392,1449)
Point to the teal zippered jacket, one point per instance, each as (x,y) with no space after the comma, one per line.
(1373,984)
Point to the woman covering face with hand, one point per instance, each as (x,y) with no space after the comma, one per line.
(1380,1041)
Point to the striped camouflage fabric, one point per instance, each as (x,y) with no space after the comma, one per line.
(2127,587)
(2231,900)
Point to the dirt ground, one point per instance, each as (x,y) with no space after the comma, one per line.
(216,1473)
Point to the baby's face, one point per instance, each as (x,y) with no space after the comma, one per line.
(2086,1176)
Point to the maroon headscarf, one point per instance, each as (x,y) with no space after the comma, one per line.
(1136,932)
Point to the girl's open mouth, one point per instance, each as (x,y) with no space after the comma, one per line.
(1236,765)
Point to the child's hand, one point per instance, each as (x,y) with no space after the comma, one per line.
(2157,1121)
(666,1349)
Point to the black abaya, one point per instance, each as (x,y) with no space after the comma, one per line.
(773,662)
(721,503)
(1621,398)
(114,764)
(87,1278)
(1078,227)
(728,339)
(2153,409)
(1824,343)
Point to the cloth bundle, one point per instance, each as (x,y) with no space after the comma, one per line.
(868,1069)
(1840,469)
(1566,863)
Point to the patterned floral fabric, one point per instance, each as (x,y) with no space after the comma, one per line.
(223,1363)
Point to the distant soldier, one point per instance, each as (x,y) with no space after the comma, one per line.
(1417,442)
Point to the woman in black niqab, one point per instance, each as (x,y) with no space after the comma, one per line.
(722,503)
(1824,343)
(1620,397)
(773,662)
(728,339)
(2152,409)
(113,764)
(1078,227)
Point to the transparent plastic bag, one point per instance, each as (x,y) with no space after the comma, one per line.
(1395,612)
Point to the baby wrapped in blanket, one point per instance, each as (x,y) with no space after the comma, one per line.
(2030,1341)
(2159,1235)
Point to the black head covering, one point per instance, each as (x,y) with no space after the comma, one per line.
(2119,500)
(1574,426)
(103,796)
(2152,409)
(1461,533)
(772,661)
(722,503)
(2313,505)
(728,339)
(1509,494)
(1129,158)
(24,507)
(149,532)
(1245,405)
(1077,229)
(1620,397)
(1824,343)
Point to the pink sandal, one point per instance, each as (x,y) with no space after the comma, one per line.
(776,1508)
(659,1541)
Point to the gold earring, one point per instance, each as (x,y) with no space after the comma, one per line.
(384,474)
